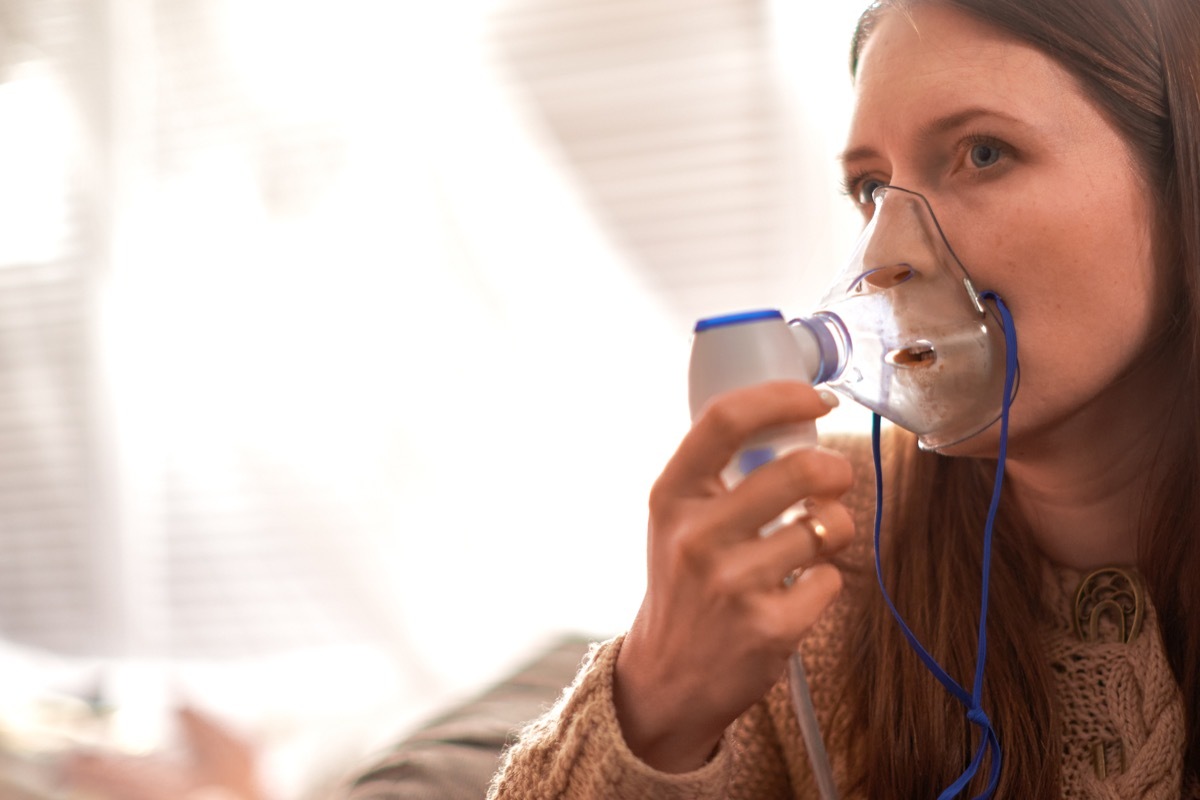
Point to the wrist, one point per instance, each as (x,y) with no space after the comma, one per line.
(658,718)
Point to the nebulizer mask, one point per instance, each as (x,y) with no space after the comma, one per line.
(904,332)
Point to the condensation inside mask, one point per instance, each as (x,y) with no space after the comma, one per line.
(903,331)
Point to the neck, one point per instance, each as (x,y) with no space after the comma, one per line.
(1084,487)
(1083,514)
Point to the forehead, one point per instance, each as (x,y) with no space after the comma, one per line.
(933,60)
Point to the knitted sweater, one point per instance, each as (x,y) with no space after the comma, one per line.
(1122,715)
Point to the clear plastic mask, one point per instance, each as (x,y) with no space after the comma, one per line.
(903,331)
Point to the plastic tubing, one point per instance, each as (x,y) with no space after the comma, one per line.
(806,715)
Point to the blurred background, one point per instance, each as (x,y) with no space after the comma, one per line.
(341,341)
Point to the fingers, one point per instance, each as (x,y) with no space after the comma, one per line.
(802,603)
(219,757)
(772,488)
(763,564)
(780,619)
(118,777)
(728,421)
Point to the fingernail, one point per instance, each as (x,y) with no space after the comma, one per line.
(828,398)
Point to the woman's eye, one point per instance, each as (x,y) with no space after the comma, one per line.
(984,155)
(867,189)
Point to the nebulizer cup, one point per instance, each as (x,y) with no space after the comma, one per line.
(742,349)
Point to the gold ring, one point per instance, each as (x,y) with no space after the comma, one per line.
(818,529)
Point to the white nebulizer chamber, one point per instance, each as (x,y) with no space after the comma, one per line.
(743,349)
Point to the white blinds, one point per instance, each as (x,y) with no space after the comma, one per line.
(48,592)
(215,389)
(137,516)
(670,114)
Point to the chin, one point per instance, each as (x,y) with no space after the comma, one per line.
(984,444)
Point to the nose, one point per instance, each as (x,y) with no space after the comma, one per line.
(900,239)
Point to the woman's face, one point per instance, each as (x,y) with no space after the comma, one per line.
(1036,192)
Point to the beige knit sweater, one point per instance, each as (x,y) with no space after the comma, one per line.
(1117,698)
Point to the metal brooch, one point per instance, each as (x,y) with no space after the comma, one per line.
(1115,593)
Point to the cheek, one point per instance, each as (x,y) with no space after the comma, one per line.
(1082,295)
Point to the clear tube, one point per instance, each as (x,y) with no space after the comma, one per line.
(810,729)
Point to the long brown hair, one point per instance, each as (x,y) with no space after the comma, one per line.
(1139,62)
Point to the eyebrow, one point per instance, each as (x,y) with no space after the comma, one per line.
(933,129)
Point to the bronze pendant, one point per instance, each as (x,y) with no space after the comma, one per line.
(1113,592)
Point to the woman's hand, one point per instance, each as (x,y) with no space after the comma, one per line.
(218,764)
(718,621)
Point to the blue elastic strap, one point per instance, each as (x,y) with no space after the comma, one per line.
(971,701)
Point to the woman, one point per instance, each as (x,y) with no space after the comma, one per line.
(1059,143)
